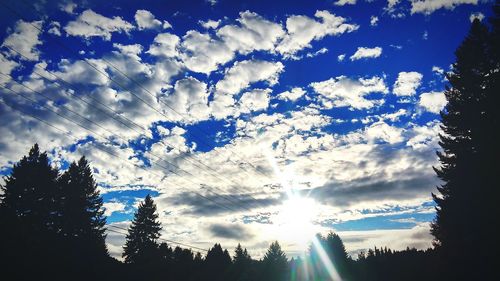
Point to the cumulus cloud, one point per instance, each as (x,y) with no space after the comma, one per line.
(7,66)
(429,6)
(55,28)
(433,101)
(210,24)
(254,100)
(292,95)
(302,30)
(407,83)
(24,39)
(373,20)
(204,54)
(343,91)
(241,74)
(165,45)
(341,57)
(146,20)
(344,2)
(254,34)
(91,24)
(364,53)
(113,207)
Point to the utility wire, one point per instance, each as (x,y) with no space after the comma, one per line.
(104,137)
(142,87)
(98,147)
(163,239)
(123,123)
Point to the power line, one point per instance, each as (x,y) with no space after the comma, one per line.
(104,137)
(100,148)
(111,116)
(162,239)
(131,92)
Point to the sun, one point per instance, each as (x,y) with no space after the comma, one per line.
(294,221)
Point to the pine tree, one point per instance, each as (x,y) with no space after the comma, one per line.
(275,263)
(83,218)
(141,245)
(217,263)
(466,211)
(29,218)
(242,262)
(30,193)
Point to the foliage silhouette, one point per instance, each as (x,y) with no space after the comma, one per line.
(466,207)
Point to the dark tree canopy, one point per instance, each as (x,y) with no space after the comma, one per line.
(82,207)
(466,207)
(141,245)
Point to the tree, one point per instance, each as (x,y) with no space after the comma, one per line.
(275,263)
(30,195)
(242,262)
(82,215)
(466,207)
(141,245)
(217,263)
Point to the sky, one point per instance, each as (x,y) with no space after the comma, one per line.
(247,121)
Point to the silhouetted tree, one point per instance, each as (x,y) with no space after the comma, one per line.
(141,246)
(275,263)
(466,210)
(82,215)
(29,217)
(217,263)
(242,262)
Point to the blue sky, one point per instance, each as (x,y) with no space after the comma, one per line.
(222,109)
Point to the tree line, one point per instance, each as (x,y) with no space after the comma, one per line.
(53,225)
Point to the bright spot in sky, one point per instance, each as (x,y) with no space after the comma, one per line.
(294,221)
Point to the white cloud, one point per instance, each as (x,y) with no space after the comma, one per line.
(254,34)
(437,70)
(91,24)
(373,20)
(254,100)
(190,99)
(341,57)
(344,2)
(317,53)
(425,35)
(24,39)
(165,45)
(383,131)
(363,53)
(243,73)
(407,83)
(302,30)
(343,91)
(210,24)
(55,28)
(113,207)
(68,7)
(6,66)
(146,20)
(477,15)
(292,95)
(433,101)
(201,53)
(429,6)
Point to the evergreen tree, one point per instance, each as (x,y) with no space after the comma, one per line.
(242,263)
(141,245)
(83,218)
(275,263)
(466,211)
(217,263)
(30,195)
